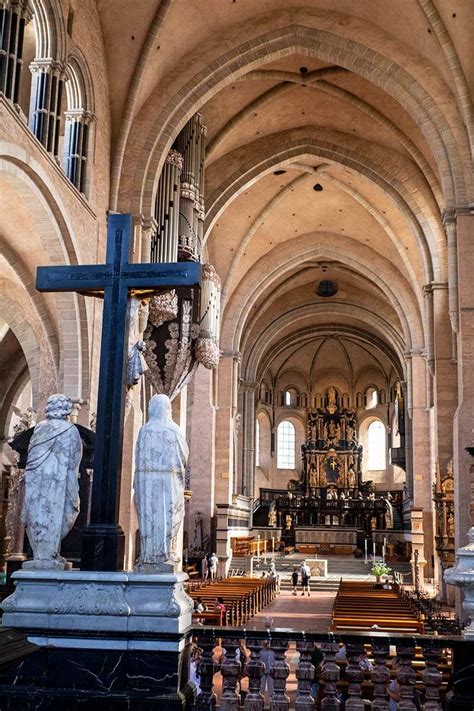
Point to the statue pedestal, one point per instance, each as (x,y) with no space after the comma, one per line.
(462,575)
(116,636)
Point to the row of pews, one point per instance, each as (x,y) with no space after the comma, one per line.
(243,597)
(363,605)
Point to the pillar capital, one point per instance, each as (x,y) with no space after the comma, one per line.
(48,66)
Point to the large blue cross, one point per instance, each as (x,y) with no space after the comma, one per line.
(104,540)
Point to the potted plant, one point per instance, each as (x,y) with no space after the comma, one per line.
(379,569)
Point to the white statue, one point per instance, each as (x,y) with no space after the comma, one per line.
(51,501)
(160,459)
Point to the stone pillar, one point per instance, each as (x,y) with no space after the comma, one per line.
(422,475)
(224,471)
(249,391)
(464,416)
(225,430)
(445,400)
(201,430)
(76,147)
(14,16)
(46,96)
(418,560)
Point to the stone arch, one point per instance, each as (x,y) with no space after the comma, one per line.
(329,47)
(56,240)
(429,233)
(50,29)
(35,346)
(374,266)
(308,335)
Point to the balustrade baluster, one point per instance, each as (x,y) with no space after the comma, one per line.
(380,676)
(305,674)
(230,670)
(406,677)
(255,669)
(355,676)
(206,701)
(330,674)
(432,678)
(279,673)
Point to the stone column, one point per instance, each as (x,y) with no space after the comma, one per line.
(464,416)
(201,431)
(76,147)
(14,16)
(224,472)
(445,400)
(422,476)
(46,96)
(249,391)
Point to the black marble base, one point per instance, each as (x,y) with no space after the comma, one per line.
(73,679)
(103,547)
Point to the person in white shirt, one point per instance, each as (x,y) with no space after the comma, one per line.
(305,572)
(213,561)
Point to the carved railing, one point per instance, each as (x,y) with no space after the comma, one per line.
(417,669)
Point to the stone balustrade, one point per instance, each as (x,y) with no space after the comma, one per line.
(357,681)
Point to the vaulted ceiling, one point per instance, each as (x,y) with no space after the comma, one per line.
(338,134)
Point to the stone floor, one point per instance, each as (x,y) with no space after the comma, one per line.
(312,614)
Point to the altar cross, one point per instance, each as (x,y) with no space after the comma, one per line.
(103,540)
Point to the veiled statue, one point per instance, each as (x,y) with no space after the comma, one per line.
(160,460)
(51,503)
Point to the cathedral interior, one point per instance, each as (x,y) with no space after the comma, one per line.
(316,159)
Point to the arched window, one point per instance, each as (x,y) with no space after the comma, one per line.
(290,398)
(257,443)
(376,459)
(371,398)
(286,445)
(78,121)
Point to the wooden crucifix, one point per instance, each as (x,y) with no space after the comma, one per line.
(103,541)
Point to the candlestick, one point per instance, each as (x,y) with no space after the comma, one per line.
(365,547)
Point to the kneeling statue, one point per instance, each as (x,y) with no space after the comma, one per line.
(51,503)
(160,460)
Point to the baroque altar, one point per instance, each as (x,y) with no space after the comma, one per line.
(332,456)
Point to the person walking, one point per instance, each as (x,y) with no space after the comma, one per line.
(294,581)
(305,572)
(213,561)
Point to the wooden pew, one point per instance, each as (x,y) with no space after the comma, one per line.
(360,606)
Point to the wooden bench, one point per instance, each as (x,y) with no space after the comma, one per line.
(243,597)
(360,606)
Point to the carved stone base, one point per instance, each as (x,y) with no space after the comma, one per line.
(462,575)
(51,605)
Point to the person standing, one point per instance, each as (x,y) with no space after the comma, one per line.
(267,656)
(305,572)
(213,561)
(294,581)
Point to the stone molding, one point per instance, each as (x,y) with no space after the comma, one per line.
(71,601)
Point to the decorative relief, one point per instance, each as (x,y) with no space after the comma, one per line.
(163,308)
(90,599)
(207,353)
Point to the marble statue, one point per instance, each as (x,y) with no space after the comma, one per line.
(160,460)
(51,502)
(136,363)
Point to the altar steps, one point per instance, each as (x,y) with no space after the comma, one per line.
(338,567)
